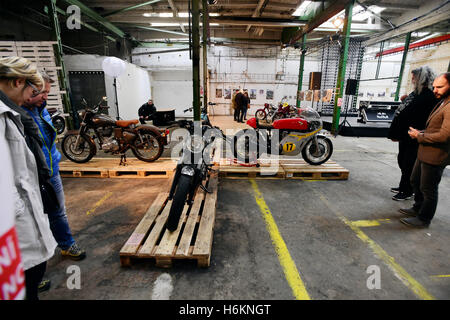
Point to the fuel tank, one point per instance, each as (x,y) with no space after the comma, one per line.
(291,124)
(100,120)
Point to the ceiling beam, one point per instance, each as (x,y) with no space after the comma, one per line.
(132,7)
(258,11)
(258,22)
(175,13)
(334,8)
(432,18)
(96,17)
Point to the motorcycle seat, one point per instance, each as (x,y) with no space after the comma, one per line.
(263,125)
(126,123)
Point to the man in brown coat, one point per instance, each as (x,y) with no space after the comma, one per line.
(432,157)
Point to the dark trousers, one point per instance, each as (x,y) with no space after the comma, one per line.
(407,154)
(33,277)
(242,110)
(425,180)
(236,113)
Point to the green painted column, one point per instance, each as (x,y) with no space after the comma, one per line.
(196,58)
(205,52)
(402,67)
(342,66)
(54,23)
(300,70)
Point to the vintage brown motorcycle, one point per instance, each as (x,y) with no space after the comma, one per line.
(113,136)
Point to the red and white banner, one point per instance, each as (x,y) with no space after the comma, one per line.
(12,277)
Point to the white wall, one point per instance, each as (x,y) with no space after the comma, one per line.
(133,85)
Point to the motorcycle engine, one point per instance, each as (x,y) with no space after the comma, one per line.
(105,131)
(110,144)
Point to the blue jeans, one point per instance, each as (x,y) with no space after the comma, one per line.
(58,219)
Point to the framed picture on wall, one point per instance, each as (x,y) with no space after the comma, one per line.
(218,93)
(269,94)
(227,94)
(252,93)
(301,95)
(309,95)
(261,92)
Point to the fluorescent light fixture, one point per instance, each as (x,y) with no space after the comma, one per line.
(147,14)
(302,7)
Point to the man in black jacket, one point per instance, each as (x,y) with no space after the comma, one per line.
(147,111)
(413,112)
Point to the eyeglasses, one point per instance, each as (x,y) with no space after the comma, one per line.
(36,91)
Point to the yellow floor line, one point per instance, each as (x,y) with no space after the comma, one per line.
(290,269)
(441,276)
(99,203)
(368,223)
(398,270)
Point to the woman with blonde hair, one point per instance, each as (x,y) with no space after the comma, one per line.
(19,81)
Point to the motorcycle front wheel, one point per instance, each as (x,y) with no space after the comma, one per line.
(179,199)
(59,124)
(149,149)
(246,146)
(317,156)
(83,152)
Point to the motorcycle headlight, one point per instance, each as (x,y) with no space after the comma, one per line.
(195,144)
(188,171)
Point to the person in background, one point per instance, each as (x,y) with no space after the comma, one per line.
(234,105)
(147,111)
(247,106)
(432,157)
(59,224)
(19,81)
(241,102)
(413,112)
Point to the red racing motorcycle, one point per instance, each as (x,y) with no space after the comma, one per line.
(290,136)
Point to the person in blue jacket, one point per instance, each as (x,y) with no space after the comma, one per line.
(59,223)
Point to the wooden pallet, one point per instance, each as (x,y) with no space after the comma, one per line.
(191,240)
(300,169)
(284,169)
(41,53)
(109,168)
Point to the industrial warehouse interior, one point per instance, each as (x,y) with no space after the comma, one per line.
(204,151)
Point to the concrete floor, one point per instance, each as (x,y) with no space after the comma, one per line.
(314,220)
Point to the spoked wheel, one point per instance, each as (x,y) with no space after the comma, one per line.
(260,114)
(246,146)
(149,149)
(80,152)
(320,153)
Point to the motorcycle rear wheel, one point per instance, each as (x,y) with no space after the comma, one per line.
(85,151)
(260,114)
(179,199)
(317,157)
(151,148)
(246,150)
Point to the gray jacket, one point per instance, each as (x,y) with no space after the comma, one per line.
(36,241)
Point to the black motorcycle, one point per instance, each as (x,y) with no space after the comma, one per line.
(193,166)
(113,136)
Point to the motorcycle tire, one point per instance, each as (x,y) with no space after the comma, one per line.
(179,199)
(245,155)
(87,148)
(59,123)
(260,114)
(326,150)
(149,139)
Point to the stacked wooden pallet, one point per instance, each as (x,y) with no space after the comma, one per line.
(191,240)
(283,169)
(41,53)
(110,168)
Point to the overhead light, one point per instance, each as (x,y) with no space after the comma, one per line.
(300,10)
(147,14)
(338,22)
